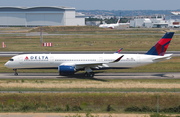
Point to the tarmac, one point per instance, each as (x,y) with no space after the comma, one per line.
(96,76)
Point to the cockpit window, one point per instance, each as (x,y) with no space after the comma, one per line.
(11,59)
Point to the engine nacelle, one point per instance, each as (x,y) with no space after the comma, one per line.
(66,70)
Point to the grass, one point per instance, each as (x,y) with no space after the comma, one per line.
(95,30)
(15,29)
(84,85)
(85,102)
(98,42)
(86,43)
(85,90)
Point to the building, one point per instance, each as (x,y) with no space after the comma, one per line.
(158,21)
(40,16)
(151,22)
(93,23)
(174,20)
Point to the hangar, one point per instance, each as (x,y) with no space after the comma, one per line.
(40,16)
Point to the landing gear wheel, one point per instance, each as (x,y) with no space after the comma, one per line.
(91,74)
(16,74)
(86,74)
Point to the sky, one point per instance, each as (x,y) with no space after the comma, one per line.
(99,4)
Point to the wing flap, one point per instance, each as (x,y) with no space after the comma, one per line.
(92,64)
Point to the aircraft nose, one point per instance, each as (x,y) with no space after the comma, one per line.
(6,64)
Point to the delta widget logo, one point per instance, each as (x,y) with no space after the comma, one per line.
(26,58)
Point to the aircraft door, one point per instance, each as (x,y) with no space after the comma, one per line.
(21,59)
(100,59)
(51,59)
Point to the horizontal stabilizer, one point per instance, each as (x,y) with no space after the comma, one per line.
(161,58)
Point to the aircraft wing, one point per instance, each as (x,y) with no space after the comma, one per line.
(100,63)
(93,64)
(111,26)
(96,65)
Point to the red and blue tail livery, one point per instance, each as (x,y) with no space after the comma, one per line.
(161,46)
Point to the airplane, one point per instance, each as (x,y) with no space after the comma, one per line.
(109,25)
(68,64)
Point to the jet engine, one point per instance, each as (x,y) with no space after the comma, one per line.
(65,70)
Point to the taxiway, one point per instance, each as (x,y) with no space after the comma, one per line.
(97,76)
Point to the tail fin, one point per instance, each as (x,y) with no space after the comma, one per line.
(161,46)
(118,21)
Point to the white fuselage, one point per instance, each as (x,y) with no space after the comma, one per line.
(108,25)
(90,60)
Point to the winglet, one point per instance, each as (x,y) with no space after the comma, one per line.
(118,59)
(117,52)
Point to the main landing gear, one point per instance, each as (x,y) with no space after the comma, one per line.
(89,72)
(15,72)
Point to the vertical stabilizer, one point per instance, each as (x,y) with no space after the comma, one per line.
(118,21)
(161,46)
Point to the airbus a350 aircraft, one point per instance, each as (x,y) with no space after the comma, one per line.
(68,64)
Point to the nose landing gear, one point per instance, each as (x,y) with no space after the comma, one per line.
(15,72)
